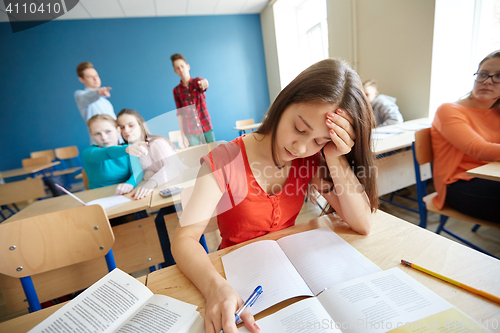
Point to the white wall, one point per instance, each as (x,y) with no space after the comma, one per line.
(389,41)
(271,52)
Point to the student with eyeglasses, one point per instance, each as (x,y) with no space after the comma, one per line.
(466,134)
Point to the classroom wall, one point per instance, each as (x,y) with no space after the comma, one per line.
(389,41)
(271,51)
(37,67)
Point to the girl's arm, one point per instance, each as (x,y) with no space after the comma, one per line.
(455,128)
(348,197)
(96,154)
(221,299)
(166,160)
(163,160)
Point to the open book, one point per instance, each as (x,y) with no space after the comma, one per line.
(105,203)
(389,301)
(120,303)
(302,264)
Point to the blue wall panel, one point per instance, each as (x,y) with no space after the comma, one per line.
(38,78)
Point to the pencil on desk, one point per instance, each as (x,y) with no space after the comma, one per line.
(456,283)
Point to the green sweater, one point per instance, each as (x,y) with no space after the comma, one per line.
(109,166)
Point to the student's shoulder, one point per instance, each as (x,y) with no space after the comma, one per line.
(451,109)
(80,92)
(160,143)
(225,153)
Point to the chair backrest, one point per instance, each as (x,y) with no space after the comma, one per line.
(176,137)
(423,146)
(65,153)
(46,242)
(49,153)
(36,161)
(244,122)
(85,180)
(23,190)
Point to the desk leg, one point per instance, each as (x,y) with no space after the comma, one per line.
(161,229)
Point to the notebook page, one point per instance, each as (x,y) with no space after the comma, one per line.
(109,202)
(306,316)
(387,301)
(263,263)
(324,259)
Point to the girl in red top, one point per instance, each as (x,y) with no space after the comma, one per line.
(317,133)
(466,135)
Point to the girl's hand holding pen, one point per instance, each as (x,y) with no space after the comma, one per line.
(221,305)
(341,132)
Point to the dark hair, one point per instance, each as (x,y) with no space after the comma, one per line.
(494,54)
(83,66)
(331,81)
(177,56)
(145,133)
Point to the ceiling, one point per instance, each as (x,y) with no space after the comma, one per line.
(101,9)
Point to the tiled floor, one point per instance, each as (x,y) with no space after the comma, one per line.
(487,238)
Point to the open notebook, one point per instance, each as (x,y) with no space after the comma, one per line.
(106,203)
(388,301)
(302,264)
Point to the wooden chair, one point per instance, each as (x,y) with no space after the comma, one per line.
(49,153)
(70,162)
(422,154)
(51,241)
(244,123)
(136,247)
(176,138)
(20,191)
(85,179)
(35,162)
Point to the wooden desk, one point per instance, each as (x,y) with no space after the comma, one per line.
(391,240)
(190,156)
(244,128)
(395,167)
(65,202)
(26,171)
(136,247)
(489,171)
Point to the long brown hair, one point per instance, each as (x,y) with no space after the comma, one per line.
(332,81)
(494,54)
(145,133)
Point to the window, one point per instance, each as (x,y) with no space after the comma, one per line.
(465,32)
(301,35)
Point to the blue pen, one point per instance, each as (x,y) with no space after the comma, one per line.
(249,302)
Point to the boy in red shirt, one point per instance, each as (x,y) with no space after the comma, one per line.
(192,113)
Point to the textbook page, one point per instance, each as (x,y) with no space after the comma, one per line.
(161,314)
(324,259)
(390,301)
(109,202)
(263,263)
(307,315)
(102,307)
